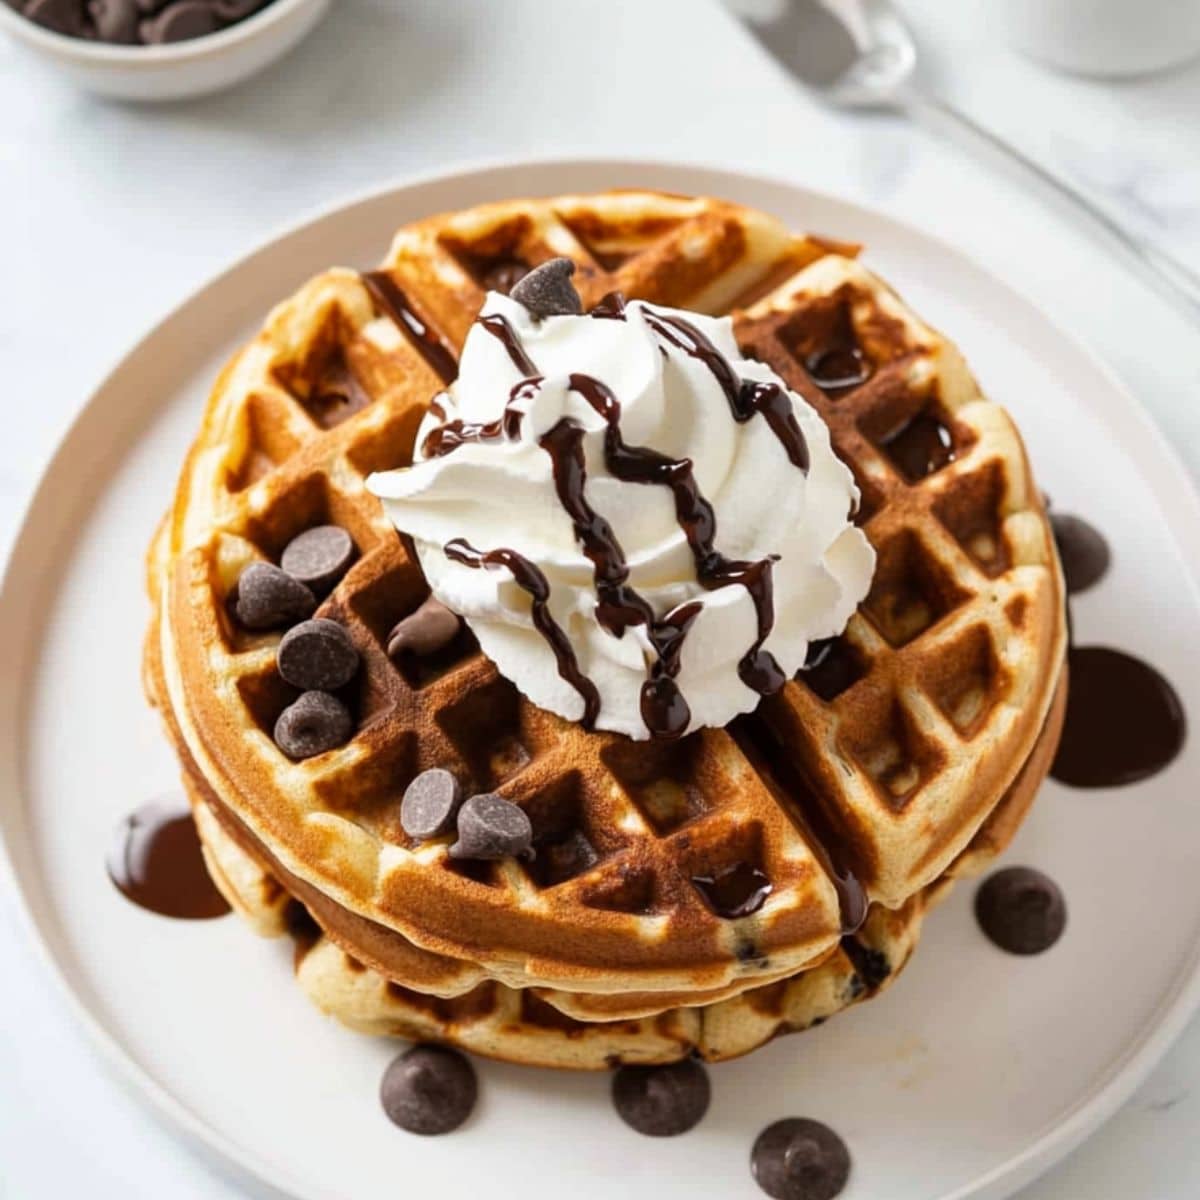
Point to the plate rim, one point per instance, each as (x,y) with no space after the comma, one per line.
(1175,1008)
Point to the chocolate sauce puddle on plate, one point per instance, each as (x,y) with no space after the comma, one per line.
(155,861)
(1124,721)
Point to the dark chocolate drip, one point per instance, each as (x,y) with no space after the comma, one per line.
(392,301)
(530,579)
(663,707)
(747,397)
(1124,721)
(497,325)
(838,367)
(870,965)
(735,891)
(618,605)
(639,464)
(920,446)
(155,861)
(451,434)
(764,747)
(610,307)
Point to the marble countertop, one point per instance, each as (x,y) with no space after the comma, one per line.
(113,213)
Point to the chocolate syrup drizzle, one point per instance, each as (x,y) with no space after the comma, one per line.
(392,301)
(747,397)
(530,579)
(764,746)
(452,434)
(618,605)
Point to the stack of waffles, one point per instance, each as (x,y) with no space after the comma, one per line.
(903,757)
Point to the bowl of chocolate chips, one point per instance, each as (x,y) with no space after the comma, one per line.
(159,49)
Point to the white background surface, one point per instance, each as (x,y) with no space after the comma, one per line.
(111,214)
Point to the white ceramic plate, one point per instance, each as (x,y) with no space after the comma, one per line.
(970,1076)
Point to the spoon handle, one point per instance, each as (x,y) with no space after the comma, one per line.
(1173,278)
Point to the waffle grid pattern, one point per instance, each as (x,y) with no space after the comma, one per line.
(956,645)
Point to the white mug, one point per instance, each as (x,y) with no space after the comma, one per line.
(1104,37)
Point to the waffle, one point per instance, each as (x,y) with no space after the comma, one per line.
(862,781)
(532,1028)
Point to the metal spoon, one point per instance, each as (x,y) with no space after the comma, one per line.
(860,54)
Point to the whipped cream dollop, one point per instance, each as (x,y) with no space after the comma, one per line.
(644,529)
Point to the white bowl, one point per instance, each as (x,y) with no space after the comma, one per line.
(1108,38)
(180,69)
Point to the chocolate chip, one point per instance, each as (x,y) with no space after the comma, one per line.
(490,827)
(268,598)
(319,557)
(180,22)
(547,290)
(316,722)
(799,1159)
(116,20)
(430,803)
(425,631)
(429,1090)
(59,16)
(1021,910)
(662,1101)
(1082,550)
(317,654)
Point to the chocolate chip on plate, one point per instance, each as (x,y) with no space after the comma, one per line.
(799,1159)
(1021,910)
(319,557)
(425,631)
(59,16)
(313,724)
(547,290)
(490,827)
(116,20)
(662,1101)
(317,654)
(180,22)
(430,803)
(429,1090)
(268,598)
(1082,549)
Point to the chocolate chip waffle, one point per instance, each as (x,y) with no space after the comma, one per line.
(860,783)
(532,1027)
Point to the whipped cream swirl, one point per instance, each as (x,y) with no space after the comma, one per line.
(644,529)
